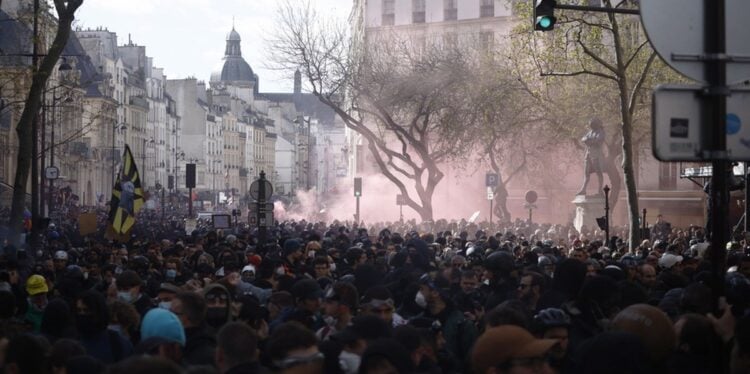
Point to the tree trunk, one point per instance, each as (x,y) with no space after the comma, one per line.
(501,203)
(613,172)
(65,11)
(627,166)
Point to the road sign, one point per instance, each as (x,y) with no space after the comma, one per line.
(357,186)
(675,30)
(490,193)
(491,180)
(255,189)
(400,200)
(531,196)
(51,172)
(676,124)
(253,220)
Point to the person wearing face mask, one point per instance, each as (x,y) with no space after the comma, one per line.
(129,291)
(340,304)
(36,288)
(167,292)
(459,333)
(218,301)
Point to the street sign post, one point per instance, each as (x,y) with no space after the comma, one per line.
(400,202)
(255,189)
(491,180)
(676,30)
(676,123)
(491,197)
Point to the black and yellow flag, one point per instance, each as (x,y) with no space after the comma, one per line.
(127,195)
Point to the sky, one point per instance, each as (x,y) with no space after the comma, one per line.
(187,37)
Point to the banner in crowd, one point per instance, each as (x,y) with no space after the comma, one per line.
(127,195)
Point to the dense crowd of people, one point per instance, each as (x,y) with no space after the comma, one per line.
(313,297)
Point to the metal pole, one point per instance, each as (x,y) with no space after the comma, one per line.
(491,212)
(606,215)
(401,212)
(530,213)
(261,210)
(162,203)
(190,202)
(357,215)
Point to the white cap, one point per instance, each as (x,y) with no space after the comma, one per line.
(248,268)
(668,260)
(61,255)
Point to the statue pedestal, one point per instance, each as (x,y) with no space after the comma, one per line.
(588,208)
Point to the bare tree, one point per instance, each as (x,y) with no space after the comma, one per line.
(406,97)
(65,13)
(612,50)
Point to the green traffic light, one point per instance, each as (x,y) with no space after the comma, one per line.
(544,22)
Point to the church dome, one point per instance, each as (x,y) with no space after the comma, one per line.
(233,67)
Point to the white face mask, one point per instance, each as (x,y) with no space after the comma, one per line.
(165,304)
(349,362)
(280,270)
(420,300)
(311,254)
(333,266)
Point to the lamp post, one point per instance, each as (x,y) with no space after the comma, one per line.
(115,128)
(143,162)
(55,99)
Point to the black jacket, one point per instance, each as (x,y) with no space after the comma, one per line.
(200,345)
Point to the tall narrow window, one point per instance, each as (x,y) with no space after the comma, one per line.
(450,10)
(487,8)
(389,12)
(668,173)
(418,11)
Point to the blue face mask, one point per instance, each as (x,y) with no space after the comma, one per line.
(171,273)
(125,296)
(165,304)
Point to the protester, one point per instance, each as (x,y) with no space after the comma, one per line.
(338,297)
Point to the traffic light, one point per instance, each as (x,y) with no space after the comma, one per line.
(544,15)
(357,186)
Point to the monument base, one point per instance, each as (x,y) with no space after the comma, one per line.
(588,209)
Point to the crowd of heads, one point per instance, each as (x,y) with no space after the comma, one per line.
(315,297)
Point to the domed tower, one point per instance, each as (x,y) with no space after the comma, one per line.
(233,69)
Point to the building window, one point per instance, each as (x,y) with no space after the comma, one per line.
(418,11)
(389,12)
(487,40)
(450,10)
(668,174)
(487,8)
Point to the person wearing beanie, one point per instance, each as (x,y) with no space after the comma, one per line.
(162,335)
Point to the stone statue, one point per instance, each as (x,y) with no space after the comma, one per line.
(594,158)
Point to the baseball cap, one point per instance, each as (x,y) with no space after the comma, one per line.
(164,324)
(36,284)
(499,345)
(668,260)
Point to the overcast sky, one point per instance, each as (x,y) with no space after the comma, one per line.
(187,37)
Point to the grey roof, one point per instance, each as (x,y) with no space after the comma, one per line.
(307,104)
(90,77)
(233,67)
(15,40)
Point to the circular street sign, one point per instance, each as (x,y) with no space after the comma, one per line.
(676,28)
(52,172)
(255,190)
(531,196)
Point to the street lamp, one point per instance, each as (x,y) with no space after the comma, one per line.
(122,128)
(65,99)
(143,157)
